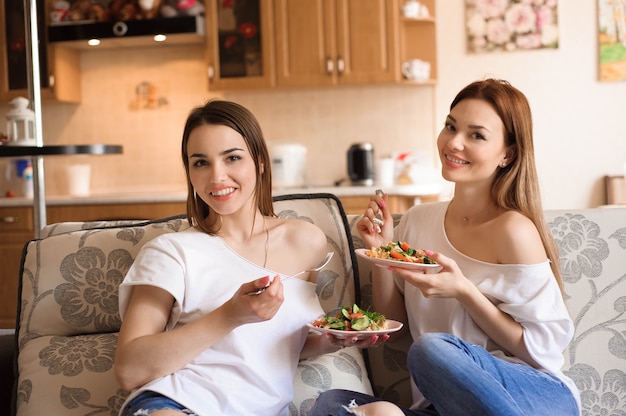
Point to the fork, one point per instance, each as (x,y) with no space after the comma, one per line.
(317,268)
(378,218)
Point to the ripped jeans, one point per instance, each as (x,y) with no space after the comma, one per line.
(460,378)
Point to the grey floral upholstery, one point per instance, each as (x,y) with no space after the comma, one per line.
(68,319)
(68,314)
(592,246)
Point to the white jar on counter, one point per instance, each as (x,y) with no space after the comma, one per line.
(288,164)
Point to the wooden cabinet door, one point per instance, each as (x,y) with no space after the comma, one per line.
(231,64)
(330,42)
(306,49)
(16,229)
(367,41)
(59,67)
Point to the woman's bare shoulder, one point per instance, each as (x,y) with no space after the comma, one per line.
(301,238)
(518,239)
(303,232)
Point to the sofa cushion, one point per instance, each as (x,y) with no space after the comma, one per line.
(69,280)
(68,315)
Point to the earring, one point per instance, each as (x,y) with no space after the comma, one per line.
(503,164)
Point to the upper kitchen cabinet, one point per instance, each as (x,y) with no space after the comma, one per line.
(329,42)
(240,44)
(59,67)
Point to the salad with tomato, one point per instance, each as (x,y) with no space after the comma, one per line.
(352,318)
(400,251)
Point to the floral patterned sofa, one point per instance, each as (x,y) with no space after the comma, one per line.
(68,320)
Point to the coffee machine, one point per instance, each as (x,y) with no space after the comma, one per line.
(361,164)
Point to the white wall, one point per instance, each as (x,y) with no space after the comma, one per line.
(580,123)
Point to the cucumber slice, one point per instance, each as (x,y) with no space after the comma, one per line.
(337,325)
(360,324)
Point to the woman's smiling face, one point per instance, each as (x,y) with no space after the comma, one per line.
(221,168)
(471,144)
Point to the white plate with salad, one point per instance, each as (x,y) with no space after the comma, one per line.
(351,321)
(392,326)
(399,254)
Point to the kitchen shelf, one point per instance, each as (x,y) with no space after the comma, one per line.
(79,149)
(37,152)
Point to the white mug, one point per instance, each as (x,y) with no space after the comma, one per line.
(411,8)
(416,69)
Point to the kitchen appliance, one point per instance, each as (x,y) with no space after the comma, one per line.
(361,164)
(288,164)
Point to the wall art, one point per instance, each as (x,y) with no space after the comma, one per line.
(612,39)
(511,25)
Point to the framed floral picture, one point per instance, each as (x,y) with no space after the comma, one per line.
(612,39)
(511,25)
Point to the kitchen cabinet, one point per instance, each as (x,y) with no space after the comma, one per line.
(329,42)
(317,43)
(16,229)
(114,211)
(240,44)
(418,40)
(59,66)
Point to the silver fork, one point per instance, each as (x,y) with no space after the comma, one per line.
(317,268)
(378,218)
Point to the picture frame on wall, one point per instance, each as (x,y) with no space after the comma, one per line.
(511,25)
(612,40)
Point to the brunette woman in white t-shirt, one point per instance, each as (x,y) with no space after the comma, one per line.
(193,340)
(490,328)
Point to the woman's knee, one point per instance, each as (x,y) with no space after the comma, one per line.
(430,353)
(428,345)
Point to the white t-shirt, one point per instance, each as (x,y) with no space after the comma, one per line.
(251,370)
(528,293)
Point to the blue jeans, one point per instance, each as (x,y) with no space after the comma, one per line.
(147,402)
(460,378)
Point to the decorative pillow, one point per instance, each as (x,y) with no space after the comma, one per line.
(69,281)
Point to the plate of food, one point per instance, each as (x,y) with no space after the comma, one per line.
(399,254)
(351,321)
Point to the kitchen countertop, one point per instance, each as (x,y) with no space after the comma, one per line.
(155,197)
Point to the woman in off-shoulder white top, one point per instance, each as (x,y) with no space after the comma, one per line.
(490,328)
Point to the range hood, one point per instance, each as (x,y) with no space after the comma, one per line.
(132,33)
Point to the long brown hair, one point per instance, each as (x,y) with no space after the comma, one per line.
(240,119)
(516,186)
